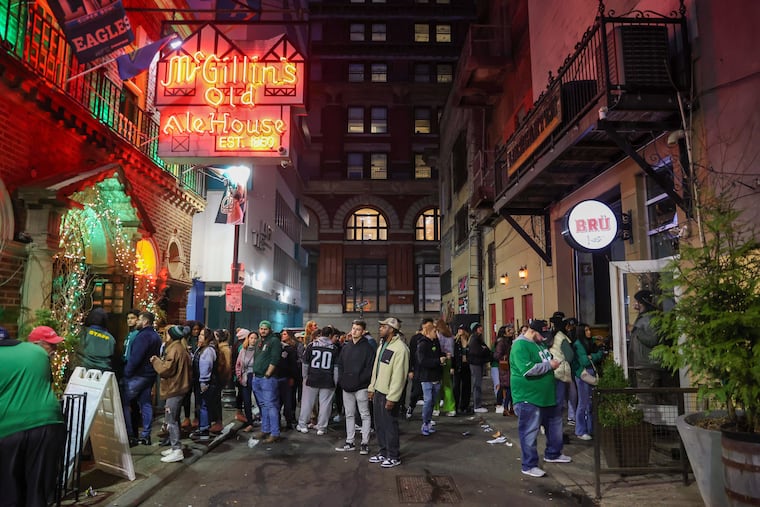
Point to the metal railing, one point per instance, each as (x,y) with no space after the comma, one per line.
(617,57)
(653,446)
(30,34)
(70,468)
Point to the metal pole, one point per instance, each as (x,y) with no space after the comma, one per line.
(235,273)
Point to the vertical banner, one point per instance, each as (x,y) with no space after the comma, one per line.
(232,206)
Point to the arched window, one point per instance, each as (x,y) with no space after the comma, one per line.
(366,224)
(428,226)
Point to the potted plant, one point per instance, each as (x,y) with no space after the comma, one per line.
(712,331)
(626,439)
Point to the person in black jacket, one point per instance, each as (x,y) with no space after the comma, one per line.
(426,326)
(478,354)
(287,373)
(430,361)
(355,373)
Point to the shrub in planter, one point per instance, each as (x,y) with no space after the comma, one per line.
(626,439)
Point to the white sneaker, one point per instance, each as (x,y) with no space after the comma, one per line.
(585,436)
(559,459)
(420,403)
(167,452)
(451,414)
(534,472)
(174,456)
(436,413)
(321,432)
(481,410)
(302,429)
(500,409)
(336,418)
(497,440)
(432,423)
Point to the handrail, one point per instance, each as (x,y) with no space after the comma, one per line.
(30,35)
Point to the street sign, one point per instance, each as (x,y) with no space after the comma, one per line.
(234,297)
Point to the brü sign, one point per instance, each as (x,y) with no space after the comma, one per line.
(590,226)
(219,100)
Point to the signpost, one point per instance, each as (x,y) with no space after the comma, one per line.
(234,297)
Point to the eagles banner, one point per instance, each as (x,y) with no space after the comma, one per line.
(93,28)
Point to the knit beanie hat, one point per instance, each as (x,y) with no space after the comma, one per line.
(242,333)
(178,332)
(265,323)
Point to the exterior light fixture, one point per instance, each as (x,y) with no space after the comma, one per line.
(504,279)
(523,273)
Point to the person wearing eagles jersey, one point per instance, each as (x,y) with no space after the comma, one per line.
(320,371)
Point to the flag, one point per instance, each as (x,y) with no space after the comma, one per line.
(140,59)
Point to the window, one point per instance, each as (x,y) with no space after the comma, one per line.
(378,32)
(355,120)
(459,164)
(379,166)
(443,33)
(357,32)
(421,73)
(109,295)
(422,171)
(428,226)
(421,32)
(379,73)
(491,264)
(461,227)
(428,287)
(285,269)
(366,287)
(662,216)
(355,166)
(366,224)
(444,73)
(286,219)
(422,120)
(379,120)
(355,72)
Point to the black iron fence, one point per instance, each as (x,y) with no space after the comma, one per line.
(69,470)
(648,442)
(30,34)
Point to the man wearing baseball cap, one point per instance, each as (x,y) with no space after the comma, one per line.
(389,373)
(45,337)
(265,385)
(31,423)
(534,397)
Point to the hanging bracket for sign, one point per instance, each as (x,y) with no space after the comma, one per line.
(590,226)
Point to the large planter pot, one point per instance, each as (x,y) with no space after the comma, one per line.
(704,450)
(627,446)
(741,467)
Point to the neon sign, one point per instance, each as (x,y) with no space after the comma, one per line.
(221,101)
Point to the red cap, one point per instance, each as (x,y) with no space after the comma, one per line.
(44,334)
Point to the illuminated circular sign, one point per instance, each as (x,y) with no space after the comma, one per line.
(590,226)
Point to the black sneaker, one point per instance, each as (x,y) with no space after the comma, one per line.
(378,458)
(204,436)
(133,442)
(144,440)
(364,449)
(348,446)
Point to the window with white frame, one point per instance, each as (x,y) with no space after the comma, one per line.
(355,72)
(355,166)
(379,166)
(378,120)
(355,120)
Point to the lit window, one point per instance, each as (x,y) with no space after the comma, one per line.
(366,288)
(421,32)
(428,225)
(355,72)
(422,120)
(379,166)
(662,216)
(421,73)
(355,166)
(366,224)
(428,287)
(378,32)
(443,33)
(444,73)
(379,73)
(422,171)
(379,120)
(357,31)
(355,120)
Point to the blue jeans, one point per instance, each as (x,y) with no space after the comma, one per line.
(529,419)
(476,374)
(430,393)
(267,394)
(583,412)
(138,388)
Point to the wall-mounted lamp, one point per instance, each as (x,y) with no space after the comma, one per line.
(523,273)
(504,279)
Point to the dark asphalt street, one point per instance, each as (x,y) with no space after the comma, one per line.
(305,469)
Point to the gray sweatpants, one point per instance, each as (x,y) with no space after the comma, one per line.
(350,401)
(171,408)
(308,397)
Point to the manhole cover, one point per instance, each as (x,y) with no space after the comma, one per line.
(427,489)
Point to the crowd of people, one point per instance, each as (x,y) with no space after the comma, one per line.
(302,381)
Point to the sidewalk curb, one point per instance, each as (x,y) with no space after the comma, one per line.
(144,488)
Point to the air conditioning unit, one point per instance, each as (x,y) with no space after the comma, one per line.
(638,57)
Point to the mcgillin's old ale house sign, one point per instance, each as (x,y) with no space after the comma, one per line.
(590,226)
(219,99)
